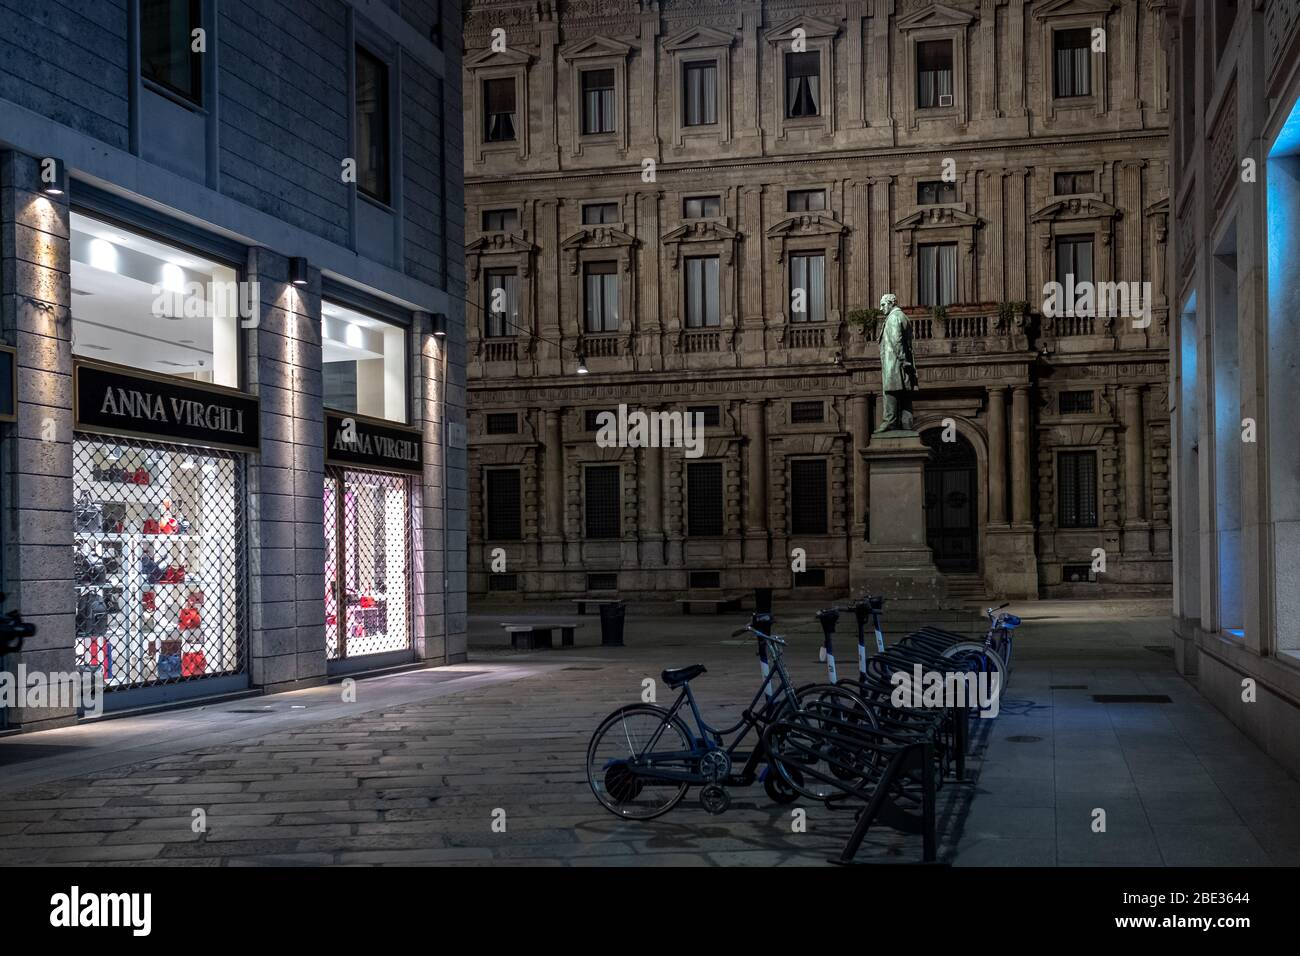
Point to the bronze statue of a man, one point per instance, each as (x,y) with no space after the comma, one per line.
(897,366)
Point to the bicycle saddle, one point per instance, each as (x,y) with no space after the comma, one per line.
(677,676)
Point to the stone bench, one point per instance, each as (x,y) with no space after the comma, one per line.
(719,603)
(527,637)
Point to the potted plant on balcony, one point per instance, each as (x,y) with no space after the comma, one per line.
(1012,315)
(865,320)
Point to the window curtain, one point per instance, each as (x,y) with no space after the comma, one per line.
(499,96)
(947,279)
(925,289)
(933,72)
(499,324)
(598,101)
(808,273)
(702,307)
(701,94)
(802,84)
(936,283)
(1073,63)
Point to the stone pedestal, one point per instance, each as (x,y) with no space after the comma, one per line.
(895,560)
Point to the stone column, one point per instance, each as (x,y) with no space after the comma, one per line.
(1020,435)
(997,455)
(754,418)
(1134,458)
(1016,228)
(35,292)
(286,550)
(861,420)
(553,523)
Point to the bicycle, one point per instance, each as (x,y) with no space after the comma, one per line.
(643,758)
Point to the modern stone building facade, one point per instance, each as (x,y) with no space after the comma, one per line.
(701,201)
(138,133)
(1235,195)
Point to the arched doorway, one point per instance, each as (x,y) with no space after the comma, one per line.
(951,503)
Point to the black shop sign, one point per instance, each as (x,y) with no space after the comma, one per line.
(364,442)
(122,402)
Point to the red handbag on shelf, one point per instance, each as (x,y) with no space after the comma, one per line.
(190,619)
(193,663)
(99,653)
(141,477)
(149,600)
(150,526)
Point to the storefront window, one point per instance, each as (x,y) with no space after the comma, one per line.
(158,560)
(154,307)
(364,364)
(367,563)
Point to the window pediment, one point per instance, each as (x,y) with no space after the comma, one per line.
(490,57)
(598,237)
(938,216)
(500,242)
(813,27)
(1073,208)
(1066,8)
(698,38)
(706,230)
(595,47)
(806,224)
(936,15)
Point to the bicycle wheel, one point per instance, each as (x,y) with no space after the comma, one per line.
(980,658)
(636,761)
(817,750)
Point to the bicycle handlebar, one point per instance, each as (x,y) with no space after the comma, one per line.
(749,628)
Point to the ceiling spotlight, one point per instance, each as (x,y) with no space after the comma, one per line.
(54,176)
(298,270)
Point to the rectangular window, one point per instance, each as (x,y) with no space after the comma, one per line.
(600,289)
(933,74)
(936,280)
(158,561)
(805,200)
(500,303)
(602,501)
(803,84)
(499,110)
(504,515)
(702,307)
(502,423)
(704,499)
(808,496)
(602,581)
(1075,403)
(372,126)
(712,414)
(803,413)
(1072,183)
(1072,64)
(700,92)
(363,363)
(597,101)
(599,213)
(936,191)
(701,207)
(1073,260)
(500,220)
(153,306)
(808,288)
(1076,489)
(167,56)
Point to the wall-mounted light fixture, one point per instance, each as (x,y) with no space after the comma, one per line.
(54,176)
(298,270)
(438,322)
(582,364)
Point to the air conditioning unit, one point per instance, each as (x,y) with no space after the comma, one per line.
(945,99)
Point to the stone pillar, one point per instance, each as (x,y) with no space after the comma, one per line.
(652,514)
(553,509)
(1016,228)
(286,481)
(431,558)
(1020,439)
(1134,460)
(997,455)
(861,424)
(35,318)
(756,530)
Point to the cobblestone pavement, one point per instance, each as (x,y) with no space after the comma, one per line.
(418,768)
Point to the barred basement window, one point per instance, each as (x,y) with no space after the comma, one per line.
(1077,574)
(704,580)
(712,414)
(602,581)
(602,500)
(503,582)
(158,559)
(704,499)
(802,413)
(502,423)
(1076,489)
(504,518)
(812,578)
(1075,403)
(367,563)
(808,496)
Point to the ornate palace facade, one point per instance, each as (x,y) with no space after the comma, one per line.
(701,203)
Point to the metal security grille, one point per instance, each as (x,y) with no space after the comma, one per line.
(712,414)
(602,501)
(504,521)
(1074,403)
(808,496)
(502,423)
(802,413)
(1077,489)
(704,498)
(158,559)
(367,563)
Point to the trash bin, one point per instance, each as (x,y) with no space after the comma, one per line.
(611,624)
(762,600)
